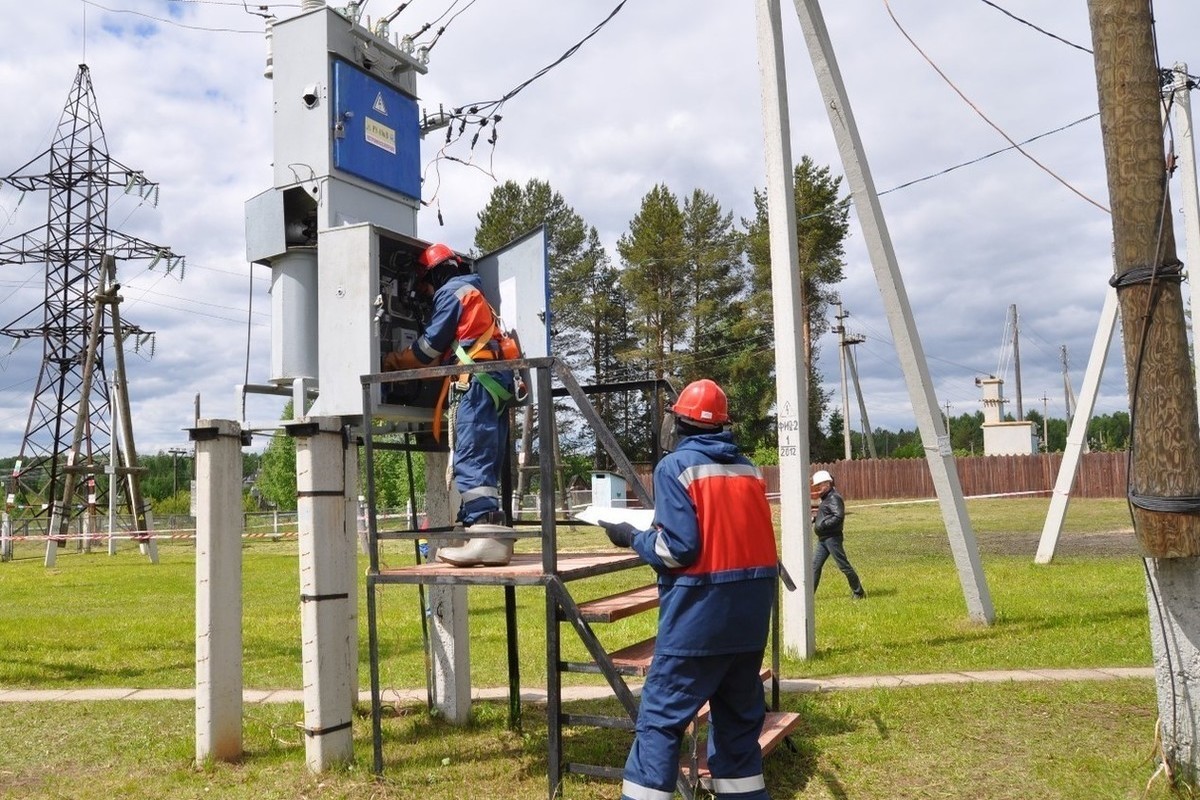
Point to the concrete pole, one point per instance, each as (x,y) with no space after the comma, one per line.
(1068,405)
(114,461)
(350,517)
(841,330)
(1186,152)
(1077,437)
(449,641)
(1017,363)
(218,589)
(791,372)
(328,597)
(895,300)
(868,434)
(138,506)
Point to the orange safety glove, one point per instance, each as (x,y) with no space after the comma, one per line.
(401,359)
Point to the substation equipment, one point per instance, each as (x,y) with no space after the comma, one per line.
(338,232)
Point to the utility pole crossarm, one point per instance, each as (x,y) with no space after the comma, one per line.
(113,175)
(25,248)
(126,247)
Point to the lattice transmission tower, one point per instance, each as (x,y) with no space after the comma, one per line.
(73,244)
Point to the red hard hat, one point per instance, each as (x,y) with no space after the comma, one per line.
(702,402)
(433,255)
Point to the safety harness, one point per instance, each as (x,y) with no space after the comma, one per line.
(478,352)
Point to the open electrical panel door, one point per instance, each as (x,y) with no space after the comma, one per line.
(366,313)
(516,280)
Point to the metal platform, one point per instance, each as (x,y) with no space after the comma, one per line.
(525,569)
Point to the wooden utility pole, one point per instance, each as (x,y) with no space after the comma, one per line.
(1164,460)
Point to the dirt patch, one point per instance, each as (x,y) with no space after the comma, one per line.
(1104,543)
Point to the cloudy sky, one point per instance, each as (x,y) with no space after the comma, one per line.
(668,92)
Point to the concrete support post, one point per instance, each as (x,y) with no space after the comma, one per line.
(328,600)
(6,538)
(218,589)
(1172,588)
(449,642)
(351,517)
(791,371)
(934,434)
(1077,435)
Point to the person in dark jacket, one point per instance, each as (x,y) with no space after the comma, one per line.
(713,547)
(828,522)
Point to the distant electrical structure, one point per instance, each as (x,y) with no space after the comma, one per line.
(69,433)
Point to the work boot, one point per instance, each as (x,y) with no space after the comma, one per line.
(487,547)
(481,551)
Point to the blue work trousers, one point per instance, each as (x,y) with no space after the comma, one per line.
(480,438)
(832,546)
(675,689)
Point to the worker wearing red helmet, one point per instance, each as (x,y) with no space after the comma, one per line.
(463,329)
(713,547)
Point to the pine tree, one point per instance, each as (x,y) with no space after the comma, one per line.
(716,274)
(821,229)
(652,256)
(276,481)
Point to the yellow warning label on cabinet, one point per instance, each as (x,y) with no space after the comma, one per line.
(381,135)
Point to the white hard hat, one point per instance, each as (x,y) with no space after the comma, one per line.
(821,476)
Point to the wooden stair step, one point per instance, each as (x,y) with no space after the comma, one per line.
(776,727)
(634,659)
(619,606)
(764,675)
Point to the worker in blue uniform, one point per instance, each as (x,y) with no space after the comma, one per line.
(713,547)
(463,329)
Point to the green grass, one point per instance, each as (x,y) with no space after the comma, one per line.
(1074,741)
(96,620)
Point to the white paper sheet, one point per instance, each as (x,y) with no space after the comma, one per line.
(640,518)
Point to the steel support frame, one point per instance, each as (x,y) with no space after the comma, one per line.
(560,606)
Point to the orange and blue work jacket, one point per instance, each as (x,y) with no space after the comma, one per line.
(713,547)
(461,315)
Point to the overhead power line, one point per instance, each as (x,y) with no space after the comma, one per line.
(985,118)
(1013,16)
(167,20)
(484,113)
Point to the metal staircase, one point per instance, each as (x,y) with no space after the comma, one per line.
(554,573)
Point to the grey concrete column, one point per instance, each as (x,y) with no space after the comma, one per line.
(1173,595)
(327,591)
(218,589)
(448,638)
(351,518)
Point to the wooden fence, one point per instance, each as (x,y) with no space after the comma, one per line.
(1099,475)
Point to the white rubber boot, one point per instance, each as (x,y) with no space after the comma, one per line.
(480,551)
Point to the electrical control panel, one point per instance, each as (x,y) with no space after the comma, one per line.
(370,303)
(344,289)
(375,131)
